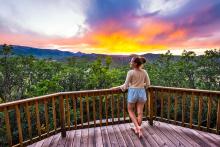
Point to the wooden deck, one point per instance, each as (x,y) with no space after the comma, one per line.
(161,134)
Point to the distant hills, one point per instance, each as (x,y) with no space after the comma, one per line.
(62,55)
(42,53)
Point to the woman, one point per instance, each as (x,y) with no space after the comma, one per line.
(135,82)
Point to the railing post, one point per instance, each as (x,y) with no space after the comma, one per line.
(62,116)
(218,117)
(150,105)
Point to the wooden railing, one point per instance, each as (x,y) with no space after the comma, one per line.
(196,109)
(51,114)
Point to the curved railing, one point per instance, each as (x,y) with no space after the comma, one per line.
(51,114)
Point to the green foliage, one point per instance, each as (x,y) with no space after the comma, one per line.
(25,76)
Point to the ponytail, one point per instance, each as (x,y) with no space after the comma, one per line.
(139,60)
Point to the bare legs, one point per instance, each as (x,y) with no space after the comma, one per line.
(136,120)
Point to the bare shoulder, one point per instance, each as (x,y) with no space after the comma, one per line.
(130,71)
(144,70)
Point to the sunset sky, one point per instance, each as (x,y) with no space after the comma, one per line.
(112,26)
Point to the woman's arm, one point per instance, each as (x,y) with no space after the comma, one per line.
(125,86)
(147,80)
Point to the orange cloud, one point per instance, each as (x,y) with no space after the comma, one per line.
(112,38)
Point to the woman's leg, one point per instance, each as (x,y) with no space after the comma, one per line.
(132,114)
(140,107)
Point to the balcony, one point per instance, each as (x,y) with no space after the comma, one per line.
(172,117)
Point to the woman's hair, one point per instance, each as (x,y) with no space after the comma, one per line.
(139,60)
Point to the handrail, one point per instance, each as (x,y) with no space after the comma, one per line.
(186,90)
(7,104)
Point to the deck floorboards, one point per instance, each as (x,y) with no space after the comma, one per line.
(121,135)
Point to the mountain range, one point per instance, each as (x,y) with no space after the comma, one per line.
(62,55)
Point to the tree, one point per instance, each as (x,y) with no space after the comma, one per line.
(6,73)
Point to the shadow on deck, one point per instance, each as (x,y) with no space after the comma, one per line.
(160,134)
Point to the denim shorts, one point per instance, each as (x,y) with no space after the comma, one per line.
(136,95)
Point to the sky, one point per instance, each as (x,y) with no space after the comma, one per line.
(112,26)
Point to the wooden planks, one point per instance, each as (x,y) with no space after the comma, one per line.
(98,137)
(161,134)
(91,137)
(105,137)
(112,137)
(84,138)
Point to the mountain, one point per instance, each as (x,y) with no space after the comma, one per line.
(62,55)
(42,53)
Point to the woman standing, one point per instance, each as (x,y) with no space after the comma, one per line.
(135,82)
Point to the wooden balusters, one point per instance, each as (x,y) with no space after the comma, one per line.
(87,109)
(46,116)
(112,106)
(38,119)
(118,107)
(200,111)
(161,105)
(54,114)
(168,105)
(154,98)
(191,110)
(150,94)
(106,109)
(100,109)
(18,118)
(209,112)
(28,117)
(62,116)
(81,110)
(175,107)
(183,108)
(94,110)
(68,111)
(218,117)
(74,111)
(146,107)
(8,126)
(124,106)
